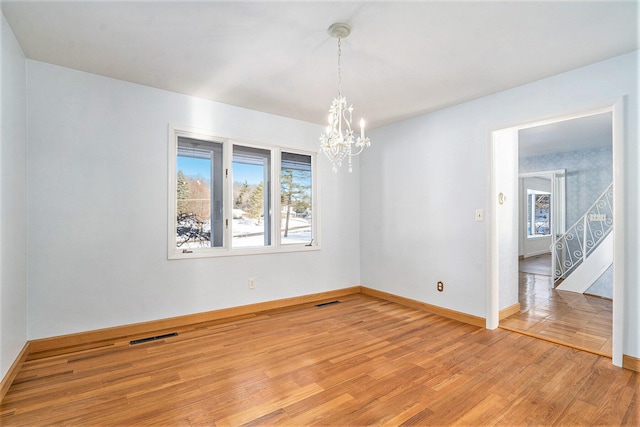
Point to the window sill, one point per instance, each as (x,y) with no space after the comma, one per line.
(223,252)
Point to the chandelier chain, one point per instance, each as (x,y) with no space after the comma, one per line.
(339,68)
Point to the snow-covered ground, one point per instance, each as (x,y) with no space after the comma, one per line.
(247,233)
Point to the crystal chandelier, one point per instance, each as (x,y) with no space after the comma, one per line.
(338,142)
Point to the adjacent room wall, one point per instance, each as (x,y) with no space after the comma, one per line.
(13,200)
(98,208)
(589,173)
(423,179)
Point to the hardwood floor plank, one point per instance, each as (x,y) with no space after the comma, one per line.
(570,318)
(487,411)
(405,415)
(364,361)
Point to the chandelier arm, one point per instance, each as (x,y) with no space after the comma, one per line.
(347,120)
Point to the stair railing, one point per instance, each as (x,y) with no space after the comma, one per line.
(573,247)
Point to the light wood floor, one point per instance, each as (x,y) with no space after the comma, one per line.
(578,320)
(363,361)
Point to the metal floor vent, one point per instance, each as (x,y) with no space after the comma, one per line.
(327,303)
(157,337)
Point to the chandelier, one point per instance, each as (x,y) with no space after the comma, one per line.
(338,142)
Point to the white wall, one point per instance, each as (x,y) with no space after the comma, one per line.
(13,200)
(421,182)
(503,217)
(423,179)
(97,202)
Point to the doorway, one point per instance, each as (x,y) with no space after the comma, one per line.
(504,276)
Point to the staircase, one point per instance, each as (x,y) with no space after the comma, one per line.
(585,251)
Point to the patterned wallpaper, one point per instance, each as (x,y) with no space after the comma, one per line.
(588,174)
(603,287)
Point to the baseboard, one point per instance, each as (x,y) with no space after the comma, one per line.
(598,296)
(441,311)
(631,363)
(13,370)
(534,254)
(46,347)
(512,309)
(52,346)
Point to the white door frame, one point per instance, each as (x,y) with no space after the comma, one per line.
(497,264)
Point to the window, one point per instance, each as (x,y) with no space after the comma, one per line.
(538,213)
(295,198)
(229,198)
(251,197)
(199,201)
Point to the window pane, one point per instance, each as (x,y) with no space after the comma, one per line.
(199,194)
(251,197)
(538,213)
(295,194)
(542,214)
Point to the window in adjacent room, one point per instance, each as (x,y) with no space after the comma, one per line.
(538,213)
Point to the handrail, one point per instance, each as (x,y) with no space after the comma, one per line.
(574,246)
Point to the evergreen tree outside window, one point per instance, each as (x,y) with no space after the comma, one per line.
(252,213)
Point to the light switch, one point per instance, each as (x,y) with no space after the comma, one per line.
(479,215)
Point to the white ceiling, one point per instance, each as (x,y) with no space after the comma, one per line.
(584,133)
(403,59)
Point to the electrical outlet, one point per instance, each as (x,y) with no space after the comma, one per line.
(252,283)
(440,286)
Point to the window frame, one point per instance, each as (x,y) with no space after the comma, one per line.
(227,248)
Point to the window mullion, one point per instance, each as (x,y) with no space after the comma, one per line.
(266,197)
(315,204)
(172,188)
(212,202)
(228,195)
(277,200)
